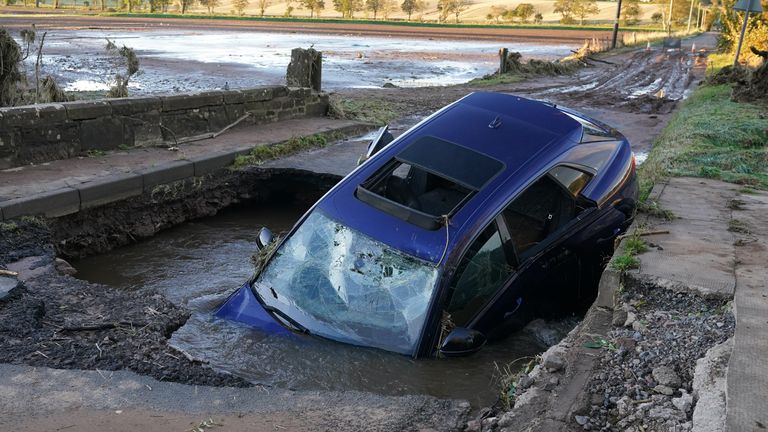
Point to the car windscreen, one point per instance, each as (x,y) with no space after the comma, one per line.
(343,285)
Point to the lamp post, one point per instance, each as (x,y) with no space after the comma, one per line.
(703,4)
(747,6)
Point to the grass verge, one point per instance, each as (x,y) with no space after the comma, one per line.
(263,153)
(714,137)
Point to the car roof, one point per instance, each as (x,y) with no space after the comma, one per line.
(526,137)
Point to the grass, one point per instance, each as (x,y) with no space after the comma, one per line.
(8,227)
(714,137)
(624,262)
(634,245)
(263,153)
(715,62)
(552,26)
(509,375)
(497,79)
(374,111)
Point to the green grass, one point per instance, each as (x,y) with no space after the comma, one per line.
(634,245)
(552,26)
(714,137)
(369,110)
(263,153)
(624,262)
(715,62)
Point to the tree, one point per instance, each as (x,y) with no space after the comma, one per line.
(657,17)
(186,4)
(409,7)
(387,7)
(288,8)
(538,18)
(314,6)
(566,8)
(240,6)
(155,5)
(263,5)
(347,8)
(455,7)
(210,5)
(374,6)
(585,8)
(631,12)
(496,13)
(524,11)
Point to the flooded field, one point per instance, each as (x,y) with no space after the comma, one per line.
(210,60)
(199,263)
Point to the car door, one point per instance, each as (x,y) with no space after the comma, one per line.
(522,259)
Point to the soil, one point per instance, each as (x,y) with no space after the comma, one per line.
(58,321)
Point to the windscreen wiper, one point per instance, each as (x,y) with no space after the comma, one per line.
(287,320)
(279,315)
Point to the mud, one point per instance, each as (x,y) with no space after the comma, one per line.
(58,321)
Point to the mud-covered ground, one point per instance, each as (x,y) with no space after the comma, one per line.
(58,321)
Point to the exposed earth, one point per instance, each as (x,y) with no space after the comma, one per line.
(43,323)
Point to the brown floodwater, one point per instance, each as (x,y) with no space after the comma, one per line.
(197,264)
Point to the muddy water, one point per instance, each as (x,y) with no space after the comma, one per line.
(199,263)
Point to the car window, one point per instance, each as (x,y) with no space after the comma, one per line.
(479,275)
(538,212)
(571,178)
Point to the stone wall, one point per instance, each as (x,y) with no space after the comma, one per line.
(45,132)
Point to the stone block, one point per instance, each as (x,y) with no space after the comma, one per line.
(317,109)
(54,203)
(10,141)
(82,110)
(167,173)
(279,91)
(299,93)
(191,101)
(259,94)
(105,133)
(33,115)
(134,105)
(46,143)
(184,124)
(110,189)
(143,129)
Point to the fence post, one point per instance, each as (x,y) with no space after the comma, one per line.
(503,52)
(305,69)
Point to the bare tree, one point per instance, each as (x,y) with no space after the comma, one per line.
(185,5)
(210,5)
(263,5)
(240,6)
(374,6)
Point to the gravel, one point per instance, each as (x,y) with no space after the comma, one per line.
(645,379)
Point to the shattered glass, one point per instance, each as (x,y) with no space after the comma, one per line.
(349,287)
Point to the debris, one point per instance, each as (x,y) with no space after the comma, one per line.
(666,376)
(554,359)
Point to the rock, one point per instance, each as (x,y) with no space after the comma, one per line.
(543,332)
(64,267)
(666,376)
(525,382)
(662,389)
(389,85)
(532,397)
(507,419)
(619,317)
(631,319)
(489,423)
(709,385)
(551,383)
(684,402)
(581,420)
(473,426)
(554,359)
(8,286)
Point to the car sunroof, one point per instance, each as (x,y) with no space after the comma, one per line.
(428,180)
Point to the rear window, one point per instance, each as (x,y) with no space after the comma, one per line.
(428,180)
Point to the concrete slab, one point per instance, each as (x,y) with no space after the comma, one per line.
(110,189)
(167,173)
(698,253)
(52,203)
(747,377)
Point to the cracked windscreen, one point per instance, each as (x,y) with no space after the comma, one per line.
(345,286)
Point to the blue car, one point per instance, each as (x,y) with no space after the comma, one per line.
(491,211)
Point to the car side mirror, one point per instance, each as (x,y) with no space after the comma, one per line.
(379,141)
(265,238)
(461,342)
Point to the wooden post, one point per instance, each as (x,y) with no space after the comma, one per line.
(503,52)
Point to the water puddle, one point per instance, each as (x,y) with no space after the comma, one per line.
(198,264)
